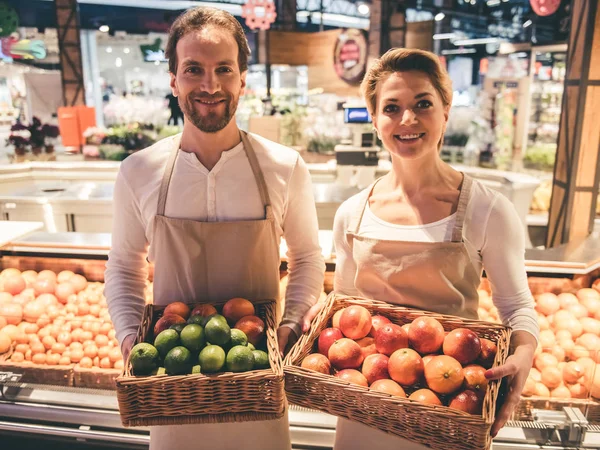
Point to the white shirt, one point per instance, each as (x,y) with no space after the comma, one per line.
(494,238)
(228,192)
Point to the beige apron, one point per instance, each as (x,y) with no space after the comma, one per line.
(208,261)
(431,276)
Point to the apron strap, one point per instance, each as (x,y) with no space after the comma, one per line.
(354,225)
(463,200)
(166,179)
(258,174)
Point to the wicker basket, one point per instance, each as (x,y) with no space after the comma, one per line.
(199,398)
(40,374)
(435,426)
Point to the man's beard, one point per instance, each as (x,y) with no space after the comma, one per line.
(212,122)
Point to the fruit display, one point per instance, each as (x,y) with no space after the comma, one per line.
(203,340)
(567,359)
(419,360)
(56,319)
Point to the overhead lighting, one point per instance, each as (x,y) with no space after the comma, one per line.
(440,36)
(118,62)
(104,28)
(439,17)
(480,41)
(459,51)
(108,49)
(527,23)
(363,9)
(493,2)
(126,50)
(157,63)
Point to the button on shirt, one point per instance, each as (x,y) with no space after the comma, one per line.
(228,192)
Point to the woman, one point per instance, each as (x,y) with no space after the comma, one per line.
(421,235)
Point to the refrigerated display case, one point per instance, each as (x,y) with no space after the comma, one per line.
(87,417)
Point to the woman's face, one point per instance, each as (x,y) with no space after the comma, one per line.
(410,117)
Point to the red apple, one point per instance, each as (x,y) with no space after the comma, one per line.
(426,335)
(463,345)
(375,367)
(345,354)
(376,323)
(327,337)
(355,322)
(389,338)
(467,401)
(488,353)
(318,363)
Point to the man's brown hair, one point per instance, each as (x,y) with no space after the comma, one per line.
(198,18)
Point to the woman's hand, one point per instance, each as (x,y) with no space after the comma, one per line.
(516,370)
(311,314)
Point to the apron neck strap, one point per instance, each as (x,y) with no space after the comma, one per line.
(166,179)
(256,170)
(354,225)
(258,173)
(463,200)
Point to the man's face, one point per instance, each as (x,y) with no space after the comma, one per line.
(208,81)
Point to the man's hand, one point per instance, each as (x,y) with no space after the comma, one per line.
(286,338)
(126,346)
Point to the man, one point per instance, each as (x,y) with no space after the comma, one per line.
(208,208)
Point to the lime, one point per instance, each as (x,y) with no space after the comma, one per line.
(197,319)
(177,327)
(204,320)
(240,359)
(178,361)
(165,341)
(238,337)
(196,369)
(211,359)
(261,359)
(192,338)
(251,346)
(217,331)
(144,358)
(158,371)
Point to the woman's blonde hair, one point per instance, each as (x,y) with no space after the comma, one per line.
(404,60)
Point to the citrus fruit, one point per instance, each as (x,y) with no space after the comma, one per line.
(238,337)
(236,308)
(192,337)
(196,369)
(165,341)
(251,346)
(198,320)
(217,331)
(178,327)
(178,361)
(240,359)
(261,359)
(144,358)
(204,319)
(211,359)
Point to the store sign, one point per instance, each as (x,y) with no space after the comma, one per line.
(350,56)
(259,14)
(153,52)
(544,7)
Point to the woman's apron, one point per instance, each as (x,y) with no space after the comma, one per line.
(433,276)
(203,262)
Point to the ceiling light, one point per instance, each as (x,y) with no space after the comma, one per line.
(108,49)
(118,62)
(104,28)
(363,9)
(459,51)
(493,2)
(527,23)
(440,36)
(477,41)
(439,17)
(126,50)
(157,63)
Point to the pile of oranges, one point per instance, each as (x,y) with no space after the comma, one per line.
(56,320)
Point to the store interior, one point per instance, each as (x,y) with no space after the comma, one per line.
(508,63)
